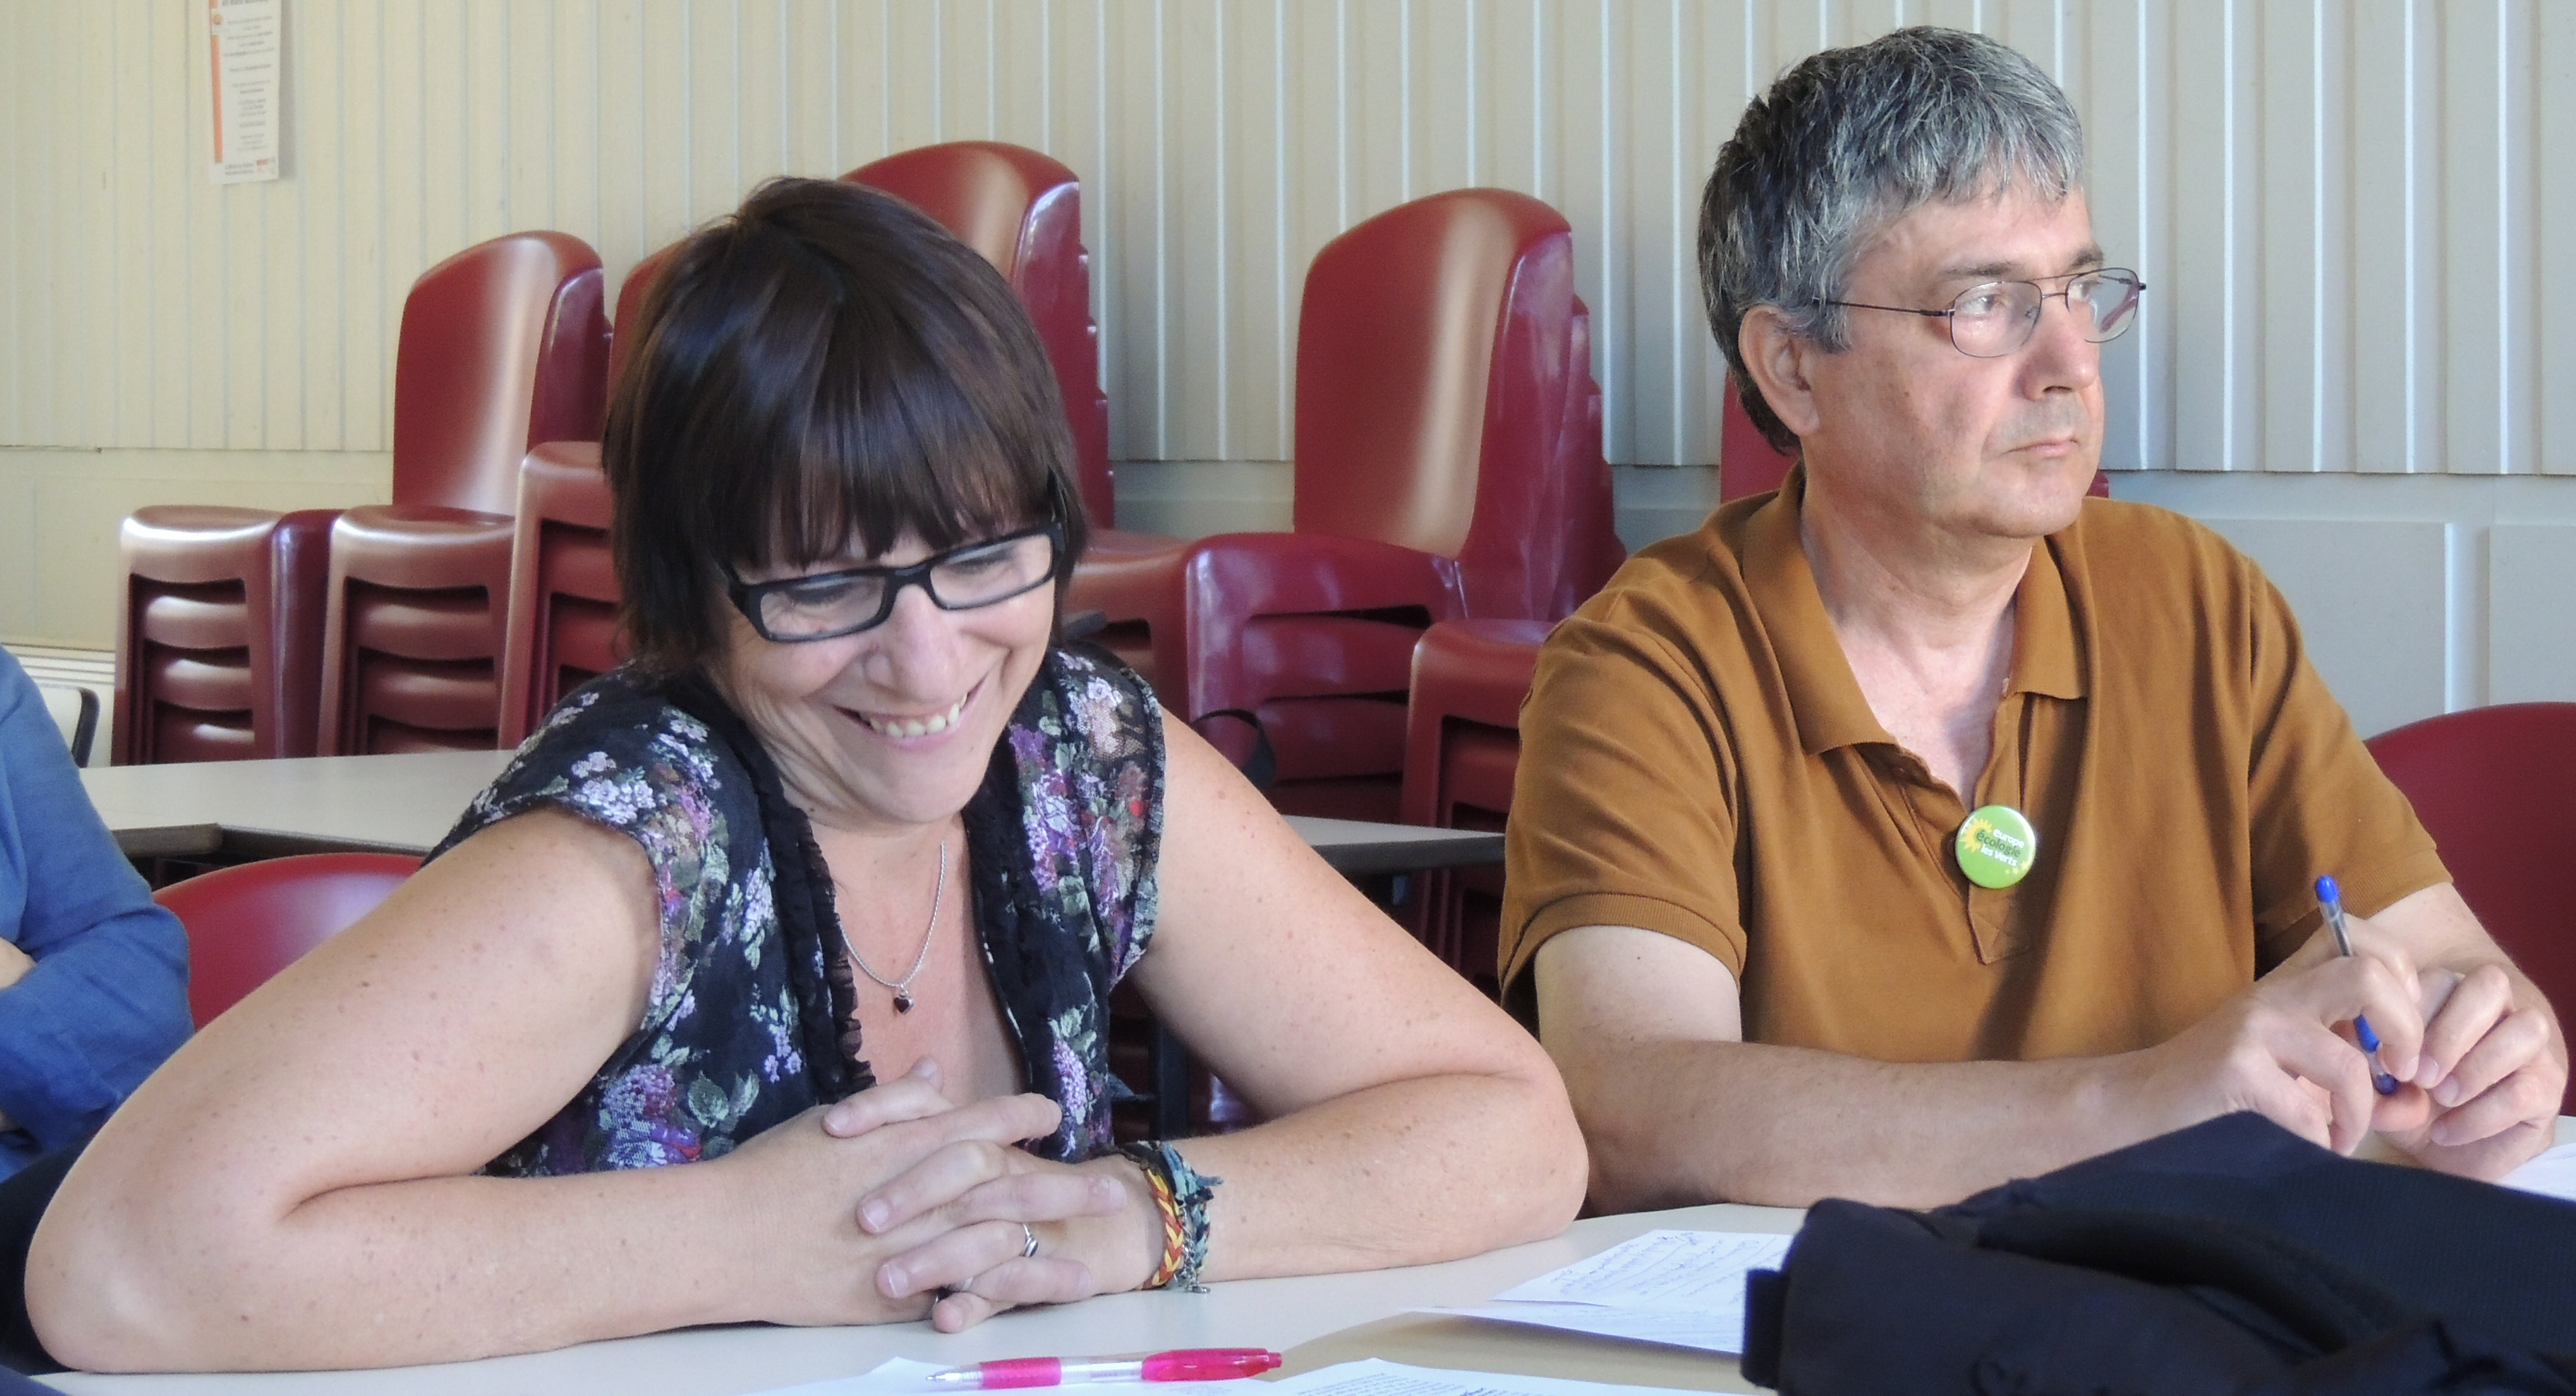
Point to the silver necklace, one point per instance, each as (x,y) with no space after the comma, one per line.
(903,987)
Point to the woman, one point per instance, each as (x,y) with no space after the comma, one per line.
(732,996)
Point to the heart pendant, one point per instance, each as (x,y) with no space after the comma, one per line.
(902,1001)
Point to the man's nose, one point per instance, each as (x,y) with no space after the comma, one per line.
(2060,354)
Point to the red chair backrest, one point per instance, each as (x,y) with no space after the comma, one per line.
(504,346)
(1445,399)
(630,304)
(2496,788)
(248,922)
(1023,211)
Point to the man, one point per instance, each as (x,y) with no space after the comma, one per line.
(1737,900)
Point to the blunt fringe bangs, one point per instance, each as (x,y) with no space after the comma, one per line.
(824,367)
(1851,140)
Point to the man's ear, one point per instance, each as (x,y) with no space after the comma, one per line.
(1777,361)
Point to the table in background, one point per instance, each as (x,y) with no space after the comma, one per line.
(240,810)
(1317,1320)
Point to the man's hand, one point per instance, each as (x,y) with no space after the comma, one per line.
(2483,1094)
(2274,1048)
(2491,1077)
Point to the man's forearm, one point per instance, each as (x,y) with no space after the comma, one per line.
(1686,1122)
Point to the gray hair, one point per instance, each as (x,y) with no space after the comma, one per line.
(1849,141)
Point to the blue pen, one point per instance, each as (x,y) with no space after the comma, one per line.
(2330,899)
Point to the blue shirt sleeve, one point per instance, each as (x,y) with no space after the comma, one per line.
(107,1000)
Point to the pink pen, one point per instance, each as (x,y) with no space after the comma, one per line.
(1182,1364)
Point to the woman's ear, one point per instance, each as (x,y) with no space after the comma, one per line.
(1776,359)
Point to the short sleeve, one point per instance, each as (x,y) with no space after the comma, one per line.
(1624,804)
(2318,802)
(646,774)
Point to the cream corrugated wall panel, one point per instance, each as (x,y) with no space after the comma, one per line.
(2552,297)
(2344,207)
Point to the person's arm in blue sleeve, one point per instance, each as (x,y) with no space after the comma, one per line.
(106,997)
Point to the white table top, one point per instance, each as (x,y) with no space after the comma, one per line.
(1316,1320)
(1281,1314)
(406,804)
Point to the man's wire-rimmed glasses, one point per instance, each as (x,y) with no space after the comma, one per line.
(1998,317)
(828,605)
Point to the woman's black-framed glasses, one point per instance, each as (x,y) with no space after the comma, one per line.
(1997,318)
(829,605)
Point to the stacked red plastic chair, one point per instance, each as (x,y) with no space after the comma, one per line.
(1462,750)
(504,346)
(246,923)
(2496,788)
(1023,211)
(1448,465)
(563,586)
(219,633)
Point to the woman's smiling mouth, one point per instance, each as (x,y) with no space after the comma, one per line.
(927,726)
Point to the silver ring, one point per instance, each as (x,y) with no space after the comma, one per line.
(1029,1250)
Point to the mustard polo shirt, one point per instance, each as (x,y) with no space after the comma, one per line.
(1697,760)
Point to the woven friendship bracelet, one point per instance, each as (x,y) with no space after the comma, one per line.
(1183,1193)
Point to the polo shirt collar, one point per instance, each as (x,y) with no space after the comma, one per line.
(2044,655)
(1823,695)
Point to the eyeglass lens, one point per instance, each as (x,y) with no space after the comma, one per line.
(1997,318)
(838,603)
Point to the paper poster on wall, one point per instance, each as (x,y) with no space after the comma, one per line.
(243,42)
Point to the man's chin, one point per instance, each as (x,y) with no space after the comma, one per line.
(2042,502)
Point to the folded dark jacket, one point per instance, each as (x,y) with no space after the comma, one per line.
(2228,1257)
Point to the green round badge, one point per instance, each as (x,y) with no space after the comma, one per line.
(1997,846)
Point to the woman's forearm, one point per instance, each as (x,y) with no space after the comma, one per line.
(392,1273)
(1403,1173)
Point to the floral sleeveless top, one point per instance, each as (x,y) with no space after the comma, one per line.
(749,1020)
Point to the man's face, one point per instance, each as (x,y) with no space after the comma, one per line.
(2001,447)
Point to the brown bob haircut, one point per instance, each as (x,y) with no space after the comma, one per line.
(826,366)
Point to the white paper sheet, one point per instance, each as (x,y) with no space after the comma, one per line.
(1369,1378)
(2553,1174)
(1681,1288)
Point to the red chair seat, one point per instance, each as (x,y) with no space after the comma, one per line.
(246,923)
(188,679)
